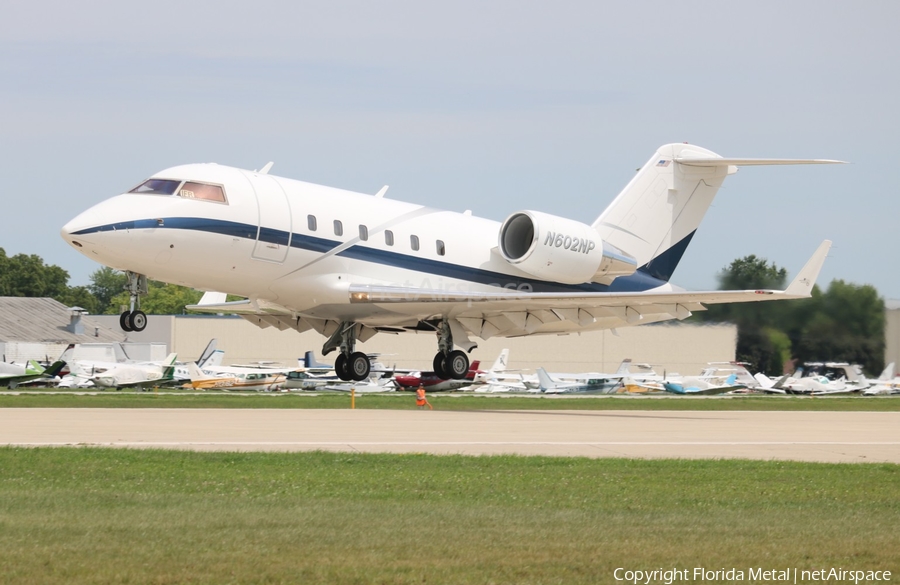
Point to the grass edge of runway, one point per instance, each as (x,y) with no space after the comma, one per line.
(440,401)
(94,514)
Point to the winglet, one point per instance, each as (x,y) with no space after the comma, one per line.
(803,283)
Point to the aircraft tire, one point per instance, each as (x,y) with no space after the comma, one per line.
(137,321)
(358,366)
(457,364)
(340,367)
(438,366)
(125,321)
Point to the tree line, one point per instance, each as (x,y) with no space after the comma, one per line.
(845,322)
(26,275)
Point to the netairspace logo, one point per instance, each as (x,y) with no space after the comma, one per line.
(753,575)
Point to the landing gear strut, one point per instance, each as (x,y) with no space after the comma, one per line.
(134,320)
(449,363)
(350,365)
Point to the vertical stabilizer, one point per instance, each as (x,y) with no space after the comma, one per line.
(656,214)
(624,367)
(545,381)
(501,362)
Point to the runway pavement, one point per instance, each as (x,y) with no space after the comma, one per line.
(802,436)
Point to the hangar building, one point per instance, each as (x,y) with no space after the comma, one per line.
(41,329)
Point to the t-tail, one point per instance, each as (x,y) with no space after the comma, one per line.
(655,216)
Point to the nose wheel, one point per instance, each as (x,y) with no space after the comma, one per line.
(134,319)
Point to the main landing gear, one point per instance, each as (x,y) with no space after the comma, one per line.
(134,319)
(350,365)
(449,363)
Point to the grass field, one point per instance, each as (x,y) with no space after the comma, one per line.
(140,516)
(406,400)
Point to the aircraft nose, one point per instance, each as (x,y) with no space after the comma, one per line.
(75,230)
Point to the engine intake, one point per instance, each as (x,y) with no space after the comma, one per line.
(561,250)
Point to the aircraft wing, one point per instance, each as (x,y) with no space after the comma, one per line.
(682,301)
(514,312)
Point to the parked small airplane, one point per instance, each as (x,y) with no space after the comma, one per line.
(886,384)
(434,382)
(350,265)
(700,386)
(137,375)
(818,378)
(236,378)
(11,375)
(596,383)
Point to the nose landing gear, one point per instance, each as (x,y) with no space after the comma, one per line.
(134,319)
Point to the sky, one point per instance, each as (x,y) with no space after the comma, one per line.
(490,106)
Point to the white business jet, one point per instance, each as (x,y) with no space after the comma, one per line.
(350,265)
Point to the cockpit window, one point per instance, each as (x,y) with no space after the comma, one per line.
(191,190)
(157,187)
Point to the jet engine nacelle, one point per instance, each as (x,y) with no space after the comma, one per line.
(561,250)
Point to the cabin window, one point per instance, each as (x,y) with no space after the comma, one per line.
(389,237)
(363,233)
(157,187)
(440,247)
(192,190)
(414,243)
(338,228)
(311,222)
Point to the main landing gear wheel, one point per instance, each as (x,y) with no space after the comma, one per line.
(358,366)
(457,364)
(340,367)
(438,366)
(453,366)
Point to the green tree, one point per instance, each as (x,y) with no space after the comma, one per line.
(760,341)
(107,283)
(27,276)
(844,323)
(79,296)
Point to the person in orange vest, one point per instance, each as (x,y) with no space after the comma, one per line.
(421,401)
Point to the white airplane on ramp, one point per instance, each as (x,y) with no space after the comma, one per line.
(351,265)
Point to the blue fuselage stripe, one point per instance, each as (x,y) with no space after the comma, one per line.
(639,281)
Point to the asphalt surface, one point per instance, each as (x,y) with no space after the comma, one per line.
(800,436)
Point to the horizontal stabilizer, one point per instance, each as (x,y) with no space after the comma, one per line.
(743,162)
